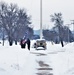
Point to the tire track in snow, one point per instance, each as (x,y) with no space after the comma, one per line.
(43,67)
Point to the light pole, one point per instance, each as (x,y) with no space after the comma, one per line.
(68,32)
(40,19)
(73,28)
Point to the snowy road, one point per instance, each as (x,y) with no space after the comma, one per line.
(53,61)
(43,67)
(38,63)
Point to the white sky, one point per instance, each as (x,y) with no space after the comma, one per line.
(49,7)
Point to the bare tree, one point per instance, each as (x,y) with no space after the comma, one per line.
(3,8)
(13,20)
(58,22)
(22,22)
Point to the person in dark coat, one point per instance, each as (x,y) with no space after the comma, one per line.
(23,43)
(28,43)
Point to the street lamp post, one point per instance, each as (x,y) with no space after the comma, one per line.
(40,19)
(68,32)
(73,28)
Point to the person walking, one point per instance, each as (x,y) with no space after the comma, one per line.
(23,43)
(28,43)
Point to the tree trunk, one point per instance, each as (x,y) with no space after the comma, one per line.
(62,43)
(10,41)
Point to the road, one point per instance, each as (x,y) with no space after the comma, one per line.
(38,63)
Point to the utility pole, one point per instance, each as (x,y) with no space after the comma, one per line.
(68,32)
(40,19)
(73,27)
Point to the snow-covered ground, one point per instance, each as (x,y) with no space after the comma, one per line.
(56,60)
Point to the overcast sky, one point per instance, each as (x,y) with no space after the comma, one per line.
(66,7)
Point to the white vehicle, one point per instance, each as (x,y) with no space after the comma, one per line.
(40,44)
